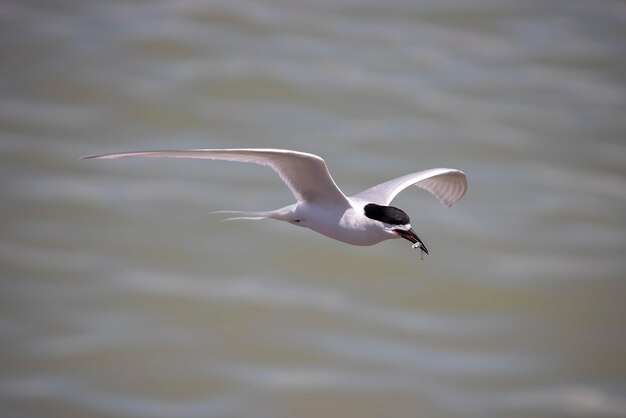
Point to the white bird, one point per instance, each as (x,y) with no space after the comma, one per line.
(363,219)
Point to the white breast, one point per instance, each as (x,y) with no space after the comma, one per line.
(349,224)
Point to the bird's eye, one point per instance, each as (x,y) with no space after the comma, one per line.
(296,221)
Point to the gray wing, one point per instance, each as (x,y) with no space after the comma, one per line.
(446,184)
(305,174)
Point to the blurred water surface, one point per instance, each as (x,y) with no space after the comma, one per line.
(121,296)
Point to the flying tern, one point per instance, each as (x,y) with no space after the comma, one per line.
(362,219)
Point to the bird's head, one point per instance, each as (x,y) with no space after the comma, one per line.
(394,221)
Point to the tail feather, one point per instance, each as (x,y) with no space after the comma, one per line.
(244,215)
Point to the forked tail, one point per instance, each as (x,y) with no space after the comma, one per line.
(238,214)
(282,214)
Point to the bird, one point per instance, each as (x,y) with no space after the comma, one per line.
(363,219)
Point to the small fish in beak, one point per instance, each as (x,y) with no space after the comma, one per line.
(410,235)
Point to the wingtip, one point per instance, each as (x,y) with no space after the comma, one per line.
(105,156)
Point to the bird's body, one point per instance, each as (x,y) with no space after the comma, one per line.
(345,223)
(362,219)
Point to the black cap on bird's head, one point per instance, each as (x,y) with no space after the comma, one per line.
(400,221)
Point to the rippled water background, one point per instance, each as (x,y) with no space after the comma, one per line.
(120,296)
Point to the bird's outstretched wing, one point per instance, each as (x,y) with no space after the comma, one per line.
(446,184)
(305,174)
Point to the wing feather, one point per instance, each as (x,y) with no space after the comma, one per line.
(305,174)
(446,184)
